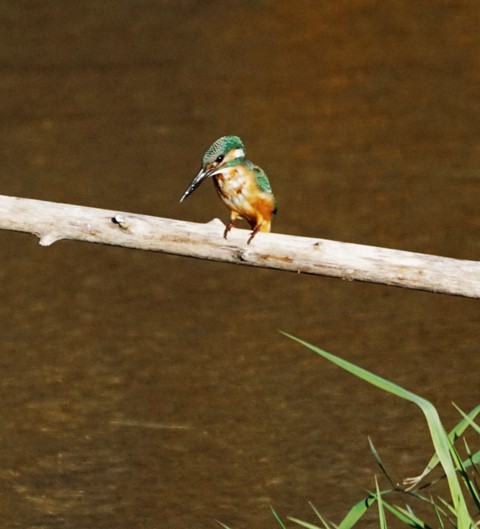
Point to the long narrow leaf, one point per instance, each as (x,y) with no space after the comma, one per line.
(413,520)
(277,517)
(326,524)
(377,458)
(468,419)
(356,512)
(303,524)
(381,511)
(223,525)
(406,517)
(438,512)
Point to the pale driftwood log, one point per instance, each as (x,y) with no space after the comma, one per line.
(52,221)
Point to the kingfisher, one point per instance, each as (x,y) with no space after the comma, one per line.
(242,186)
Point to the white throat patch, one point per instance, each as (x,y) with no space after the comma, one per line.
(238,153)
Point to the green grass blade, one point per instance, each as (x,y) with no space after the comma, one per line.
(473,461)
(437,432)
(326,524)
(277,517)
(447,506)
(377,458)
(301,523)
(223,525)
(412,519)
(381,510)
(356,512)
(468,419)
(438,513)
(406,517)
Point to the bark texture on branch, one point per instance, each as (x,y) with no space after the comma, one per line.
(52,221)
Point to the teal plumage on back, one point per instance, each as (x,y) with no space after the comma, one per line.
(262,179)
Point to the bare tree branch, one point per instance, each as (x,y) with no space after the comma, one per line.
(52,221)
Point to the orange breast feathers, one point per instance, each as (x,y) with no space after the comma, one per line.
(243,197)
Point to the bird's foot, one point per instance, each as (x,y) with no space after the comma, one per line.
(254,232)
(227,229)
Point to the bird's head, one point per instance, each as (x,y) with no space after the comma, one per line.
(220,153)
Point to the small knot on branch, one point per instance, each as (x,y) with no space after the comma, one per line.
(122,221)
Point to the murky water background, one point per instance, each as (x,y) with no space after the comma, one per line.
(145,390)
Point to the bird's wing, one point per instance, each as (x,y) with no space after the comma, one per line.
(262,179)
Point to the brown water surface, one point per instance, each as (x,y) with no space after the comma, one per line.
(146,390)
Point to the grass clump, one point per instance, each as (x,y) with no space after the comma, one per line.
(462,475)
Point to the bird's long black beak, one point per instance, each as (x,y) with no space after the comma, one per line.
(201,176)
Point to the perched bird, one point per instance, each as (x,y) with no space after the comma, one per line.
(243,187)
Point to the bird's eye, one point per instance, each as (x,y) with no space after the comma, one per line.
(220,158)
